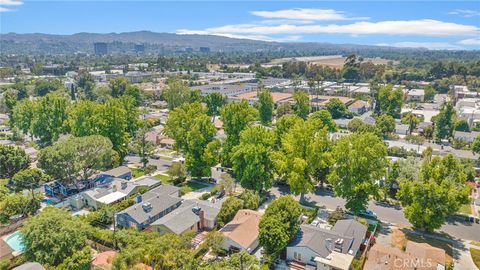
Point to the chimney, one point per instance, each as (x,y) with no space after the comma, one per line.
(124,184)
(201,215)
(114,188)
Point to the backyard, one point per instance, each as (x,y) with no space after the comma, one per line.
(185,187)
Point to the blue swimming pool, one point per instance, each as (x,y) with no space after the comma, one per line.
(15,241)
(48,201)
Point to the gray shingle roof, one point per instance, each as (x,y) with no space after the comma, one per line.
(118,171)
(160,199)
(179,219)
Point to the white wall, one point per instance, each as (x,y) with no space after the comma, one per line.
(307,254)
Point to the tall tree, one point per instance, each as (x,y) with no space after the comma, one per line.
(118,86)
(29,179)
(325,119)
(214,102)
(49,118)
(141,146)
(113,124)
(251,158)
(76,159)
(440,191)
(385,124)
(176,93)
(236,117)
(265,106)
(444,122)
(391,100)
(360,161)
(12,160)
(83,118)
(337,109)
(52,236)
(302,104)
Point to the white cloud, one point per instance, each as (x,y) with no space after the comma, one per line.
(311,14)
(425,27)
(470,41)
(2,9)
(11,2)
(288,38)
(465,12)
(425,45)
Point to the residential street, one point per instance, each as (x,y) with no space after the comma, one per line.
(463,230)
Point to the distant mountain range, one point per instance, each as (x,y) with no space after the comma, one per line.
(37,43)
(168,43)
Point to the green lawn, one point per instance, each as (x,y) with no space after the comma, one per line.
(475,243)
(137,172)
(165,179)
(191,186)
(475,256)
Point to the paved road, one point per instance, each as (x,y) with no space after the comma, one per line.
(463,230)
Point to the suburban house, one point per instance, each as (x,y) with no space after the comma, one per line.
(217,171)
(192,215)
(319,248)
(415,95)
(359,107)
(416,256)
(122,172)
(241,234)
(116,190)
(149,207)
(402,129)
(465,136)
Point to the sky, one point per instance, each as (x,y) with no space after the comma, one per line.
(428,24)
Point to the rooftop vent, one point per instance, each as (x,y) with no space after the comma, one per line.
(147,207)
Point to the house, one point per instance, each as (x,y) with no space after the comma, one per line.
(116,190)
(402,129)
(167,143)
(241,234)
(415,95)
(422,126)
(149,207)
(465,136)
(122,172)
(217,171)
(359,107)
(417,256)
(192,215)
(319,248)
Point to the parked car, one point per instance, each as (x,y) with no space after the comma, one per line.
(368,214)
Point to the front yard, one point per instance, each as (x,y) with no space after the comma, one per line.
(475,256)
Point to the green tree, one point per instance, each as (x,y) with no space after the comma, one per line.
(177,172)
(214,240)
(43,87)
(77,159)
(142,147)
(86,83)
(226,183)
(18,204)
(325,119)
(282,126)
(228,210)
(83,118)
(23,114)
(462,125)
(176,93)
(440,191)
(476,145)
(49,119)
(385,124)
(12,160)
(52,236)
(112,123)
(214,102)
(411,120)
(391,100)
(265,106)
(134,92)
(302,104)
(251,199)
(80,260)
(429,93)
(279,224)
(251,158)
(360,163)
(118,86)
(298,160)
(444,122)
(284,109)
(337,109)
(236,117)
(29,179)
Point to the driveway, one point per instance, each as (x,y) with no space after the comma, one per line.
(455,228)
(161,164)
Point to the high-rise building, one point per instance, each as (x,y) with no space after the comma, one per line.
(139,48)
(100,48)
(204,49)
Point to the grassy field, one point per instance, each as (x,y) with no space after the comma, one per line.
(475,243)
(165,179)
(400,238)
(475,256)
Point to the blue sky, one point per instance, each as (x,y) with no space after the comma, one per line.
(430,24)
